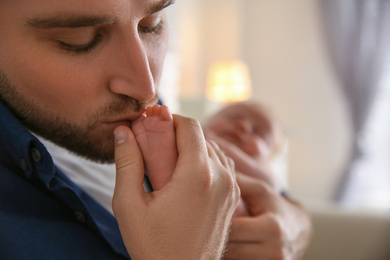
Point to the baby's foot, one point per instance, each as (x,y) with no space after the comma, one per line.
(156,138)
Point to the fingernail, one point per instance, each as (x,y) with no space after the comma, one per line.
(120,137)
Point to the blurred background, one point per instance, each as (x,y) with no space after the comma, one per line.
(322,68)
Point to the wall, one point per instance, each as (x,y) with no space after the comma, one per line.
(283,44)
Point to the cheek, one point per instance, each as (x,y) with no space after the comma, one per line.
(55,86)
(156,55)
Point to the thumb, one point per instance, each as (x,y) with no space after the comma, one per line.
(129,167)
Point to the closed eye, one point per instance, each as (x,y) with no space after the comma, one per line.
(82,48)
(152,29)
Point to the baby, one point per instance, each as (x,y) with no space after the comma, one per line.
(248,134)
(245,131)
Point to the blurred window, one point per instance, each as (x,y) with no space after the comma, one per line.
(369,185)
(358,34)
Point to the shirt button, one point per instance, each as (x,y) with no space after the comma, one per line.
(80,217)
(36,154)
(23,164)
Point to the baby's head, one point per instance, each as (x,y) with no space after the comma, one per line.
(249,126)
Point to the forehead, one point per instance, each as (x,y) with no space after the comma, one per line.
(116,8)
(38,6)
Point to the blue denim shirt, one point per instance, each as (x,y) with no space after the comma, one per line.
(43,214)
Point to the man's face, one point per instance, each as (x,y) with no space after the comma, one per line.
(74,70)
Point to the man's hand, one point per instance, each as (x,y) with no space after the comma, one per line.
(278,228)
(189,217)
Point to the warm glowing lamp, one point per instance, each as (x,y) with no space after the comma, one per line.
(228,81)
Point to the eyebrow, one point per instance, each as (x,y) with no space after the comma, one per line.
(160,6)
(68,21)
(75,21)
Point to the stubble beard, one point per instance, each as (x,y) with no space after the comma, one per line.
(86,141)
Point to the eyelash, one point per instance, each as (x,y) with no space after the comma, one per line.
(82,48)
(90,46)
(153,30)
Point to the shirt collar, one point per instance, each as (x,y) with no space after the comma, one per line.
(22,147)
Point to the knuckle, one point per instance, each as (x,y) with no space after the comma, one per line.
(219,180)
(238,192)
(229,181)
(193,122)
(275,227)
(204,176)
(125,161)
(212,143)
(234,196)
(232,189)
(207,179)
(231,163)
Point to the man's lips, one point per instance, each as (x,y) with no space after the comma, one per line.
(114,124)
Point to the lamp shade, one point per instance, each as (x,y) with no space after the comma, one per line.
(228,81)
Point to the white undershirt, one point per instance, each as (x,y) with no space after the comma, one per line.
(98,180)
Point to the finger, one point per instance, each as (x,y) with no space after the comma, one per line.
(232,167)
(211,149)
(191,147)
(255,192)
(250,251)
(225,145)
(226,161)
(190,138)
(250,229)
(129,165)
(204,170)
(219,153)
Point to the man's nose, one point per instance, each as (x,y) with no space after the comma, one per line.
(132,74)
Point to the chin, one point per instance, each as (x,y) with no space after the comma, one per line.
(99,148)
